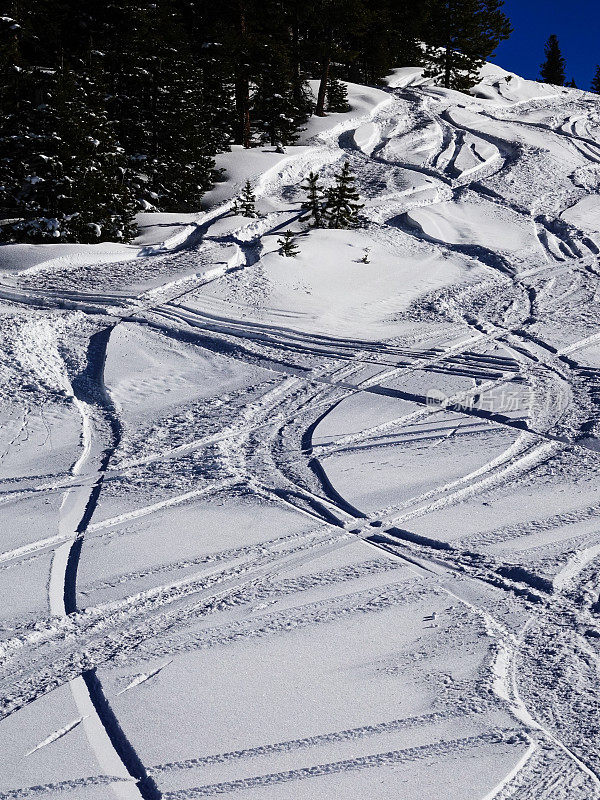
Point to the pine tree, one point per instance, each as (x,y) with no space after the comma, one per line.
(101,103)
(331,19)
(390,34)
(245,203)
(180,167)
(595,87)
(337,96)
(461,36)
(314,202)
(342,207)
(281,101)
(155,85)
(277,116)
(571,84)
(553,69)
(215,98)
(64,177)
(287,246)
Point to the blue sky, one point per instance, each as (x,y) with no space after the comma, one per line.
(577,25)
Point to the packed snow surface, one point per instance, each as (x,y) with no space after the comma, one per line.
(324,526)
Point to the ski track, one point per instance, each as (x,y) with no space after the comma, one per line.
(269,453)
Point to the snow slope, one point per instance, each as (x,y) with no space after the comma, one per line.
(314,527)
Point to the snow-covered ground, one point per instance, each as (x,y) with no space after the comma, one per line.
(314,528)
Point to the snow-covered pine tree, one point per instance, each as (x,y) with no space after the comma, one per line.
(337,96)
(156,93)
(281,101)
(342,206)
(287,246)
(181,167)
(595,87)
(314,203)
(553,69)
(64,177)
(216,93)
(275,112)
(461,36)
(245,203)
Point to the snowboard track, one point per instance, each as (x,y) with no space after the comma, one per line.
(323,372)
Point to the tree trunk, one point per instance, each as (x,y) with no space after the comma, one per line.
(449,43)
(242,106)
(295,54)
(448,63)
(325,64)
(242,86)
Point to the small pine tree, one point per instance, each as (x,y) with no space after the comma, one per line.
(342,207)
(337,96)
(314,199)
(366,259)
(287,246)
(571,84)
(553,69)
(595,87)
(245,203)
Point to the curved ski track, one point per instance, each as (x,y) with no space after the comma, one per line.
(269,452)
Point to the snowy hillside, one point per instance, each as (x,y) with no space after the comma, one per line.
(311,527)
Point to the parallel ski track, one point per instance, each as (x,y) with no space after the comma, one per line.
(308,397)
